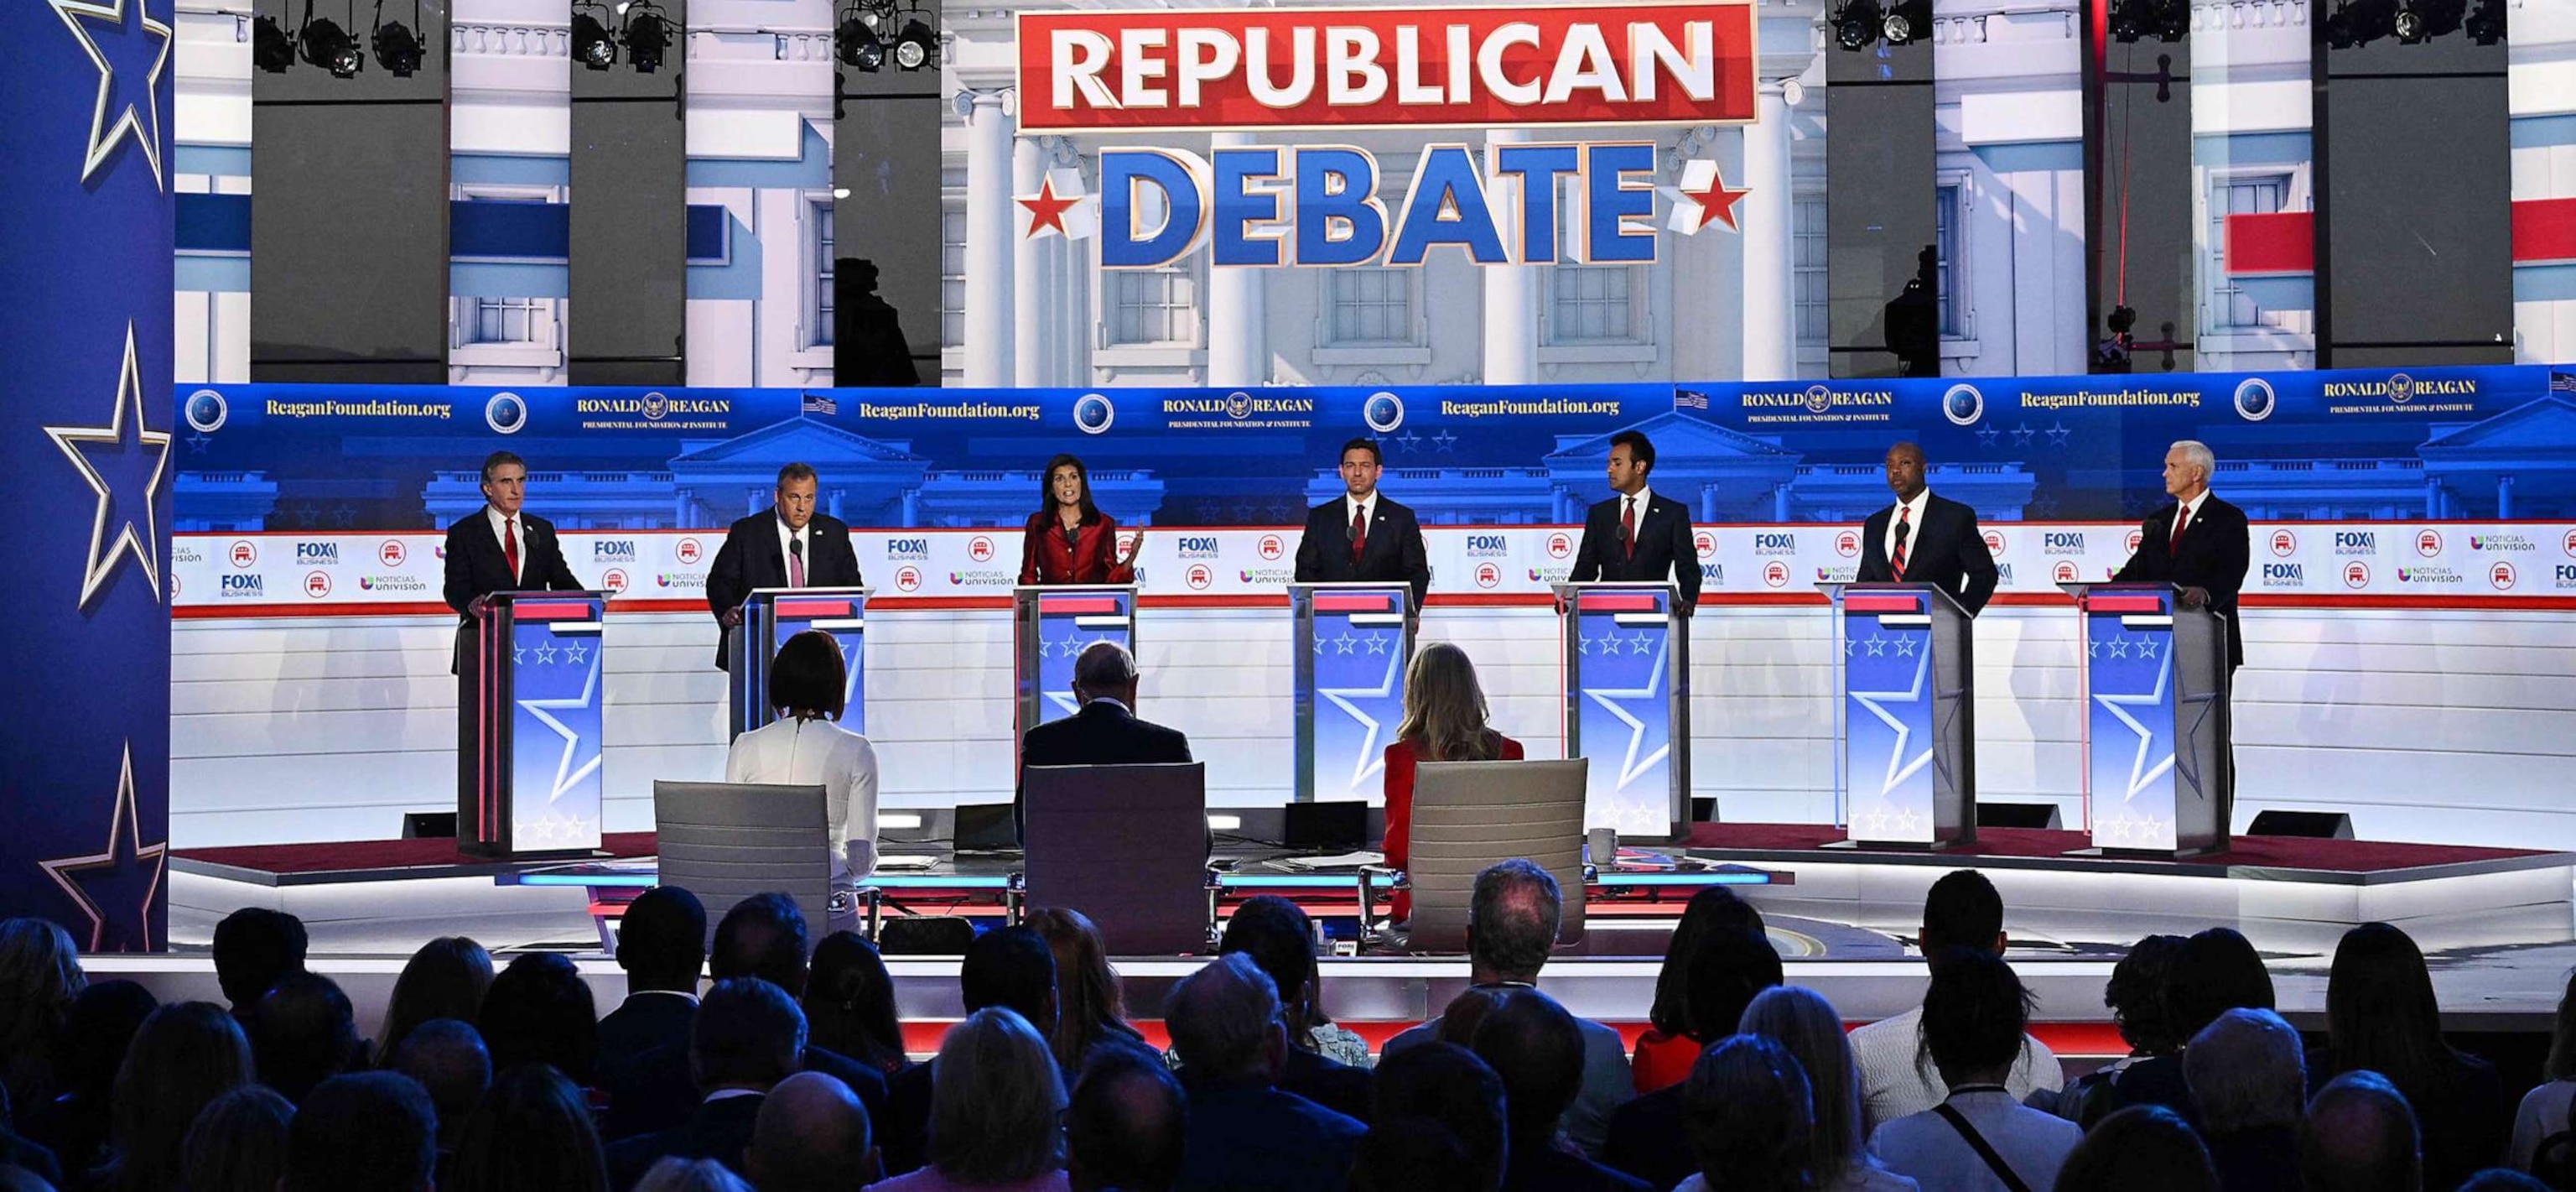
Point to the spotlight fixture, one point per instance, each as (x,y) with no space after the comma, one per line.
(2420,21)
(1906,21)
(2360,22)
(870,32)
(856,41)
(591,44)
(912,50)
(1856,24)
(327,45)
(398,48)
(2138,20)
(649,33)
(272,48)
(2486,25)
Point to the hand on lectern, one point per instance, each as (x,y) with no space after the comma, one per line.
(2195,597)
(733,617)
(475,607)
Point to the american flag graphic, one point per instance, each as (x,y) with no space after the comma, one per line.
(817,403)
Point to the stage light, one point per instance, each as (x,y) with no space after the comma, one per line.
(591,44)
(1906,21)
(272,48)
(1856,24)
(397,49)
(857,42)
(2138,20)
(912,50)
(2420,21)
(2486,25)
(648,35)
(2360,22)
(332,48)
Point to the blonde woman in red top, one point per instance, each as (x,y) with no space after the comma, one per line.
(1069,540)
(1444,721)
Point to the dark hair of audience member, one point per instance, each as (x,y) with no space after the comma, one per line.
(362,1130)
(447,1057)
(1279,937)
(1513,916)
(1802,1021)
(302,1032)
(254,947)
(1089,1005)
(747,1034)
(532,1132)
(40,974)
(2218,971)
(1974,1014)
(539,1011)
(237,1143)
(1126,1124)
(2360,1136)
(2381,1015)
(2561,1064)
(1536,1048)
(849,1003)
(2503,1179)
(2143,1148)
(1414,1154)
(662,940)
(186,1055)
(675,1174)
(763,936)
(1729,970)
(1962,911)
(446,978)
(811,1135)
(14,1178)
(1709,910)
(1448,1084)
(808,675)
(1013,968)
(994,1110)
(1749,1116)
(2140,996)
(87,1053)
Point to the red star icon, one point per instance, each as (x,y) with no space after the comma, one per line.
(1717,202)
(1046,210)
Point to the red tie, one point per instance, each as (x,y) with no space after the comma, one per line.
(1359,531)
(2182,514)
(1628,525)
(1904,531)
(510,546)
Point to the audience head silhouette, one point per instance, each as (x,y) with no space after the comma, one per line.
(1512,921)
(763,936)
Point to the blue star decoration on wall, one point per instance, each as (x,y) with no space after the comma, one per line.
(1360,703)
(143,126)
(125,444)
(117,871)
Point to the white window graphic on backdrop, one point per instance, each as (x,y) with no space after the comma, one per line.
(2228,307)
(952,272)
(506,330)
(820,216)
(1155,308)
(1808,281)
(1374,308)
(1591,305)
(1946,234)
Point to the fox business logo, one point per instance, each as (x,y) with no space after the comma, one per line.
(1711,574)
(2285,575)
(2428,543)
(1704,543)
(2356,542)
(613,550)
(2284,543)
(253,587)
(1488,546)
(2563,576)
(2003,575)
(1775,543)
(317,554)
(916,549)
(2062,542)
(1198,546)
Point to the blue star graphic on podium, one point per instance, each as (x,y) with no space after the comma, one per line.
(136,458)
(124,875)
(1375,705)
(1895,695)
(1649,735)
(580,756)
(86,21)
(2132,697)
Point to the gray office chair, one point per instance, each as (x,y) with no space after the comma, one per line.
(1126,846)
(726,841)
(1468,815)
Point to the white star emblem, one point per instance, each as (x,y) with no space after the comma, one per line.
(1377,643)
(1583,645)
(1905,646)
(1631,765)
(576,654)
(2119,647)
(518,655)
(2140,772)
(103,132)
(1877,647)
(1899,767)
(104,550)
(566,775)
(2145,646)
(1346,644)
(1641,644)
(1370,758)
(546,654)
(126,820)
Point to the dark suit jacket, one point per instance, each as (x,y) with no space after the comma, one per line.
(654,1092)
(1393,552)
(1335,1086)
(1103,733)
(477,566)
(2213,556)
(644,1022)
(1664,547)
(1646,1139)
(1538,1167)
(719,1131)
(1254,1138)
(1946,551)
(750,558)
(903,1134)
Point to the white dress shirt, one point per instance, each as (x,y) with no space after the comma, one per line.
(1929,1150)
(786,536)
(513,531)
(1912,513)
(792,752)
(1892,1085)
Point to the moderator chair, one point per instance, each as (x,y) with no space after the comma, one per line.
(1468,815)
(1126,846)
(726,841)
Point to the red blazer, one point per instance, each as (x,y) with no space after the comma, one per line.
(1092,559)
(1399,808)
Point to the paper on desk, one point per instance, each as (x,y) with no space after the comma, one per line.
(1341,861)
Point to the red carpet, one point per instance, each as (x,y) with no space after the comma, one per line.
(2281,852)
(339,856)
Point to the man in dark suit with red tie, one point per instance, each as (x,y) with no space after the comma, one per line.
(499,548)
(1925,539)
(1637,535)
(790,546)
(1360,536)
(2200,544)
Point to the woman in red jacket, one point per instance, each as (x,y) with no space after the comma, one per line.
(1069,540)
(1444,721)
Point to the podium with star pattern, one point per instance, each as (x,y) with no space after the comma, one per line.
(1627,704)
(1907,772)
(770,616)
(528,779)
(1051,624)
(2156,776)
(1352,644)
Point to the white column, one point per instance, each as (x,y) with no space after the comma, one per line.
(1511,291)
(1770,244)
(989,235)
(1031,288)
(1237,313)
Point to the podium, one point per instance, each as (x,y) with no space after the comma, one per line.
(1627,704)
(1906,774)
(1050,626)
(2156,775)
(528,726)
(770,616)
(1352,643)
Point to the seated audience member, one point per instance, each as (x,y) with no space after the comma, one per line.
(448,1060)
(237,1143)
(1801,1021)
(1962,911)
(807,746)
(2359,1136)
(362,1130)
(690,1175)
(1106,732)
(1533,1044)
(1444,1083)
(2218,971)
(1459,1019)
(1089,1005)
(662,945)
(1280,938)
(2501,1179)
(1727,970)
(995,1115)
(254,948)
(539,1011)
(2143,1148)
(1748,1119)
(1512,921)
(2140,996)
(2248,1081)
(811,1136)
(1980,1137)
(186,1055)
(1126,1125)
(849,1004)
(2544,1110)
(446,978)
(2381,1017)
(1666,1052)
(1244,1134)
(1445,720)
(533,1130)
(745,1038)
(40,970)
(1007,967)
(1409,1154)
(304,1032)
(86,1055)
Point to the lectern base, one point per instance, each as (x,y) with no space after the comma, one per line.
(2141,854)
(1901,846)
(477,849)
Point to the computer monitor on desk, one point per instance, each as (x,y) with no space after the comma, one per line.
(985,828)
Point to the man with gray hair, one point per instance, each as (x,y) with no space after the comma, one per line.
(1105,732)
(2360,1136)
(2248,1078)
(1512,922)
(2199,543)
(1243,1134)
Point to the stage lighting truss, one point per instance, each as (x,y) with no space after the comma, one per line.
(2413,22)
(1863,24)
(592,46)
(649,33)
(2139,20)
(2486,22)
(398,46)
(331,45)
(869,33)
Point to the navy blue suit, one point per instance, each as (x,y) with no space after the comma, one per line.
(1248,1137)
